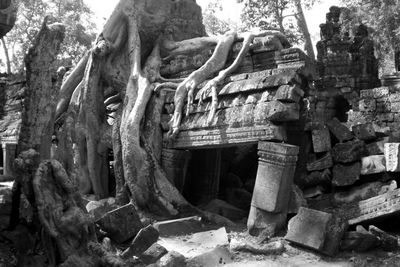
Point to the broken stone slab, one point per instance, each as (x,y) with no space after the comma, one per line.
(321,139)
(271,248)
(387,241)
(216,257)
(144,239)
(348,152)
(339,130)
(266,222)
(153,253)
(384,205)
(121,224)
(325,162)
(346,174)
(373,164)
(181,226)
(316,230)
(392,157)
(364,131)
(357,193)
(277,163)
(289,93)
(225,209)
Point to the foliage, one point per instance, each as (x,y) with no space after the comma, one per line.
(75,14)
(274,14)
(383,20)
(215,25)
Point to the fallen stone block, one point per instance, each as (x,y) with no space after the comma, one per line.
(316,230)
(216,257)
(364,131)
(387,241)
(121,224)
(264,221)
(225,209)
(153,254)
(143,240)
(373,164)
(181,226)
(339,130)
(346,174)
(392,157)
(271,248)
(321,139)
(372,208)
(348,152)
(319,164)
(171,259)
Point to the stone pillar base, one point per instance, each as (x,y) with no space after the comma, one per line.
(264,221)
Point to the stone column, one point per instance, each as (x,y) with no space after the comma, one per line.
(175,163)
(8,158)
(271,195)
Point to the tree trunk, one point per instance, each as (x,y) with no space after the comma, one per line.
(301,22)
(8,63)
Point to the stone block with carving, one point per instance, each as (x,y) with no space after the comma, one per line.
(289,93)
(392,157)
(348,152)
(275,173)
(346,174)
(316,230)
(339,130)
(364,131)
(373,164)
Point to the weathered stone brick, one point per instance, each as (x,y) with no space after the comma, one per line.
(367,105)
(394,97)
(373,164)
(375,92)
(392,157)
(321,139)
(289,93)
(395,107)
(386,117)
(344,175)
(348,152)
(317,230)
(339,130)
(364,131)
(377,148)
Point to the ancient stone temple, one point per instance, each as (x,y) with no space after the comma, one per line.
(346,66)
(260,110)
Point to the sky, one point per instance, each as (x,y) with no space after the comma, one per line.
(231,10)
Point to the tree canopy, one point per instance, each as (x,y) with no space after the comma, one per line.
(75,14)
